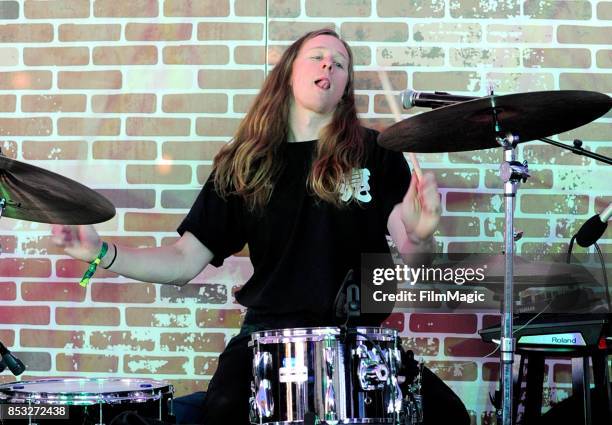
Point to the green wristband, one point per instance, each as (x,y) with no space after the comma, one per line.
(93,265)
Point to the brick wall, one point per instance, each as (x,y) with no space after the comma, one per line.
(134,98)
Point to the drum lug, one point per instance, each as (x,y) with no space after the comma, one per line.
(372,372)
(329,395)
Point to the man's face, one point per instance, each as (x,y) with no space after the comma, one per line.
(320,74)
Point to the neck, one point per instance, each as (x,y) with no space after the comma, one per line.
(306,125)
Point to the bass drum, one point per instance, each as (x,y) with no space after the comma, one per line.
(84,401)
(323,375)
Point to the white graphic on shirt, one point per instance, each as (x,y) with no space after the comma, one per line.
(359,186)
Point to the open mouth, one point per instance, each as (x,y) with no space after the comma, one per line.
(323,83)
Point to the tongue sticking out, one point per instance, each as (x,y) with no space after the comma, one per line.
(323,83)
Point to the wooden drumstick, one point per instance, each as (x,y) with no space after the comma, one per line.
(391,100)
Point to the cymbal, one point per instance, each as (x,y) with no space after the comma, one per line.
(34,194)
(470,125)
(528,273)
(540,273)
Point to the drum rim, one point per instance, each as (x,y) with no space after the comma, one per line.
(306,332)
(136,395)
(372,421)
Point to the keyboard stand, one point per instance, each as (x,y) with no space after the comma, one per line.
(580,382)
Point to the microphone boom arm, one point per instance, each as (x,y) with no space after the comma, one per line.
(578,150)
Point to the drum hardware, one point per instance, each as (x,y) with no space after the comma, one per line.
(372,371)
(329,401)
(375,368)
(412,404)
(494,121)
(577,148)
(511,173)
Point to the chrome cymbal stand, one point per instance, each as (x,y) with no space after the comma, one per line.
(2,200)
(511,172)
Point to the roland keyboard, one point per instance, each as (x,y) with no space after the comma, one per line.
(563,331)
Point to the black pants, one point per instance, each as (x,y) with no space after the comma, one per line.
(230,389)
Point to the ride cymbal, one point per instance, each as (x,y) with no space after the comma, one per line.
(471,125)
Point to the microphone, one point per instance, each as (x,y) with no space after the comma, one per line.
(410,98)
(593,228)
(13,363)
(353,307)
(347,302)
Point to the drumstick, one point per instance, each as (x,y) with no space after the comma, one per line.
(386,84)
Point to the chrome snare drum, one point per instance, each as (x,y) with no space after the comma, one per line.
(325,375)
(84,401)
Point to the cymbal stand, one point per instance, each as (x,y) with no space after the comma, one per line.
(2,198)
(511,172)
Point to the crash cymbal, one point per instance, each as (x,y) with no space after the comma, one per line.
(470,125)
(35,194)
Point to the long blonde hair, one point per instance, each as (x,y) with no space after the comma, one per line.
(249,164)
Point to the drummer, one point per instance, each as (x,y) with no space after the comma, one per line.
(309,190)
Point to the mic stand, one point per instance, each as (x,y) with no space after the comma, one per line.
(578,150)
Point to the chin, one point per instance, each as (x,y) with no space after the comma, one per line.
(323,109)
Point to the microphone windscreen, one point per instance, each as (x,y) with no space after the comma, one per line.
(590,231)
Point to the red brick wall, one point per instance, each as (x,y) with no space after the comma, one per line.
(134,98)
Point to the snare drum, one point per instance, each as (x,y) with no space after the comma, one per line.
(325,375)
(85,401)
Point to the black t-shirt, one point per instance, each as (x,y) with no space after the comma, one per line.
(301,247)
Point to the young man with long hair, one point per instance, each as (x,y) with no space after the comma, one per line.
(308,189)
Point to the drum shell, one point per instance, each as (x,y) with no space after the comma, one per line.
(302,364)
(149,398)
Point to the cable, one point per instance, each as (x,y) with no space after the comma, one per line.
(605,276)
(514,331)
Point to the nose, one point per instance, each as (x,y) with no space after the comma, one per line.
(327,64)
